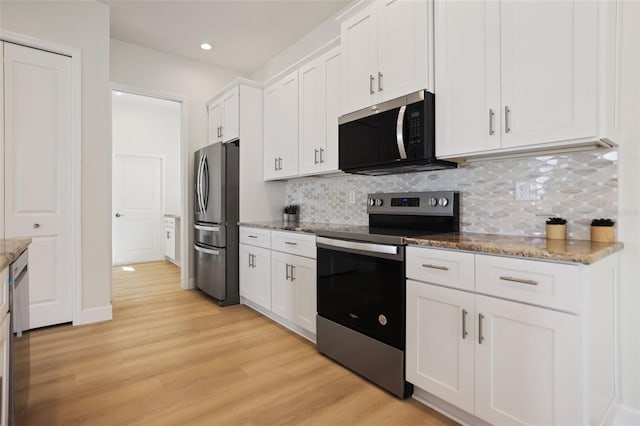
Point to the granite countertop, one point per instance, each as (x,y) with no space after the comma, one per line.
(571,251)
(10,249)
(574,251)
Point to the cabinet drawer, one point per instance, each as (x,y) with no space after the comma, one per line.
(255,237)
(294,243)
(540,283)
(169,222)
(444,267)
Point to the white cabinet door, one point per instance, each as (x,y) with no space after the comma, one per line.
(402,48)
(549,64)
(255,275)
(5,335)
(230,129)
(319,110)
(170,243)
(281,128)
(282,287)
(312,124)
(467,81)
(304,281)
(215,122)
(38,176)
(527,364)
(440,342)
(359,46)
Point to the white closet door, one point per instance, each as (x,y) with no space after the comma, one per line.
(37,86)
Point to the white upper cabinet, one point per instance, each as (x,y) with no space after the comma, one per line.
(281,128)
(319,110)
(224,116)
(514,75)
(385,52)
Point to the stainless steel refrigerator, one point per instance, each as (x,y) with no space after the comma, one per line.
(216,213)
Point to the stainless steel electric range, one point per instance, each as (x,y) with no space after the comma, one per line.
(361,283)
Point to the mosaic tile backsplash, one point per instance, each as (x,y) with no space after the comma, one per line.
(577,186)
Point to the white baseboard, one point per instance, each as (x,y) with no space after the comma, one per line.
(626,416)
(97,314)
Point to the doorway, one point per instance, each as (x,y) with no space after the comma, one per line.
(148,175)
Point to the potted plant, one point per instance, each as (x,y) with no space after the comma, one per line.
(603,230)
(556,228)
(291,213)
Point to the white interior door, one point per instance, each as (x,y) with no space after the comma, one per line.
(38,183)
(137,209)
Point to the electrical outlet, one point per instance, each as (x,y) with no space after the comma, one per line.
(352,197)
(523,191)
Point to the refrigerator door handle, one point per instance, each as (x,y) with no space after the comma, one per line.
(207,251)
(199,185)
(207,228)
(205,173)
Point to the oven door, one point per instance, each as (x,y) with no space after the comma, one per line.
(362,286)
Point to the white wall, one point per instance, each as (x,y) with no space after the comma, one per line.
(145,125)
(138,67)
(629,204)
(83,25)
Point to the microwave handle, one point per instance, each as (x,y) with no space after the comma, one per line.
(399,130)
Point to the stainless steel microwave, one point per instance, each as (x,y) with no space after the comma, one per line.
(397,136)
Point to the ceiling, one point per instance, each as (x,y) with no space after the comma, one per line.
(245,34)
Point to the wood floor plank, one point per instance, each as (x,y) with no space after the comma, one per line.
(173,357)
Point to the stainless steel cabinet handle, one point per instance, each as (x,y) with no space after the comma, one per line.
(275,163)
(289,243)
(464,324)
(491,118)
(519,280)
(321,151)
(36,225)
(249,258)
(293,268)
(279,163)
(168,235)
(480,336)
(315,156)
(507,119)
(380,81)
(252,236)
(221,131)
(429,265)
(371,80)
(287,273)
(399,131)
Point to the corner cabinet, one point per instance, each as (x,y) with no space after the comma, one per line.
(281,128)
(224,116)
(319,104)
(517,74)
(385,50)
(278,277)
(513,342)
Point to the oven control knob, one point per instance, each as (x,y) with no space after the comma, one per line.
(382,319)
(444,202)
(372,201)
(379,202)
(433,201)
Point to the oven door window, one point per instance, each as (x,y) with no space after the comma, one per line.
(363,293)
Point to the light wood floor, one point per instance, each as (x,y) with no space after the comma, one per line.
(172,357)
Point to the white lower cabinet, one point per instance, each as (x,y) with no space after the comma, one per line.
(255,273)
(509,362)
(5,335)
(278,275)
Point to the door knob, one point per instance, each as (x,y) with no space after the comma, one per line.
(118,215)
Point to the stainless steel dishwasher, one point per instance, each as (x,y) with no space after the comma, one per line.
(19,353)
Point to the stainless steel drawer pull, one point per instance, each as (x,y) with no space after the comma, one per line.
(480,336)
(464,324)
(293,268)
(289,243)
(321,151)
(315,156)
(380,81)
(252,236)
(287,273)
(429,265)
(371,80)
(519,280)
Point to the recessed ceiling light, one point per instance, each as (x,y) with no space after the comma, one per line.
(115,92)
(205,46)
